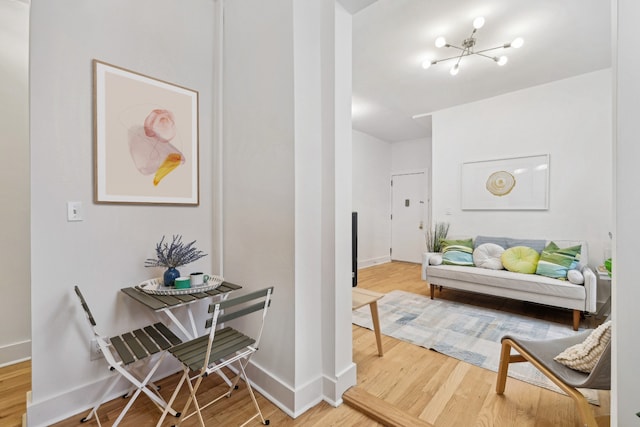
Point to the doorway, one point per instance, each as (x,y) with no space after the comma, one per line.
(408,216)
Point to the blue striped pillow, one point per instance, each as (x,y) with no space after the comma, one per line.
(556,262)
(457,252)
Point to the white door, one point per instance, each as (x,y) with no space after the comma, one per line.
(409,206)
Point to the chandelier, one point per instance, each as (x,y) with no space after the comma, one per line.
(468,46)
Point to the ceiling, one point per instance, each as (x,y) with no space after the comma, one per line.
(391,39)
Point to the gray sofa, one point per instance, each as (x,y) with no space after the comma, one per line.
(525,287)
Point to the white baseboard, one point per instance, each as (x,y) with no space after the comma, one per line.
(295,402)
(334,388)
(373,261)
(77,402)
(15,352)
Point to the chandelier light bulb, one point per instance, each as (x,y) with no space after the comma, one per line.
(454,70)
(502,60)
(440,41)
(478,22)
(426,64)
(517,42)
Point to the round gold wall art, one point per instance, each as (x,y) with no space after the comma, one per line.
(500,183)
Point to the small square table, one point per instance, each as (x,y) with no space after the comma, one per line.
(362,297)
(167,303)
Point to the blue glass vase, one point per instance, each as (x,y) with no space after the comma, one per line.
(170,276)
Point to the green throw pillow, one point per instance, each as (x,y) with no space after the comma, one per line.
(520,259)
(457,252)
(556,262)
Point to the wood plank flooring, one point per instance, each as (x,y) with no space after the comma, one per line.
(417,383)
(15,382)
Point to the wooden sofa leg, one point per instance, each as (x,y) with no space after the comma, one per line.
(432,289)
(576,319)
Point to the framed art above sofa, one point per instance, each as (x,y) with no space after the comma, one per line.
(516,183)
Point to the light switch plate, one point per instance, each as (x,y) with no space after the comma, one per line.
(74,211)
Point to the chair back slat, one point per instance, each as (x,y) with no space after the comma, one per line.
(85,306)
(241,312)
(243,298)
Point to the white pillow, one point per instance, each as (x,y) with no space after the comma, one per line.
(435,259)
(488,256)
(584,356)
(575,277)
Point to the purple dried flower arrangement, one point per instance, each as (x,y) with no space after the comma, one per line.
(174,254)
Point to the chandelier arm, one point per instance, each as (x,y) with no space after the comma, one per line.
(504,46)
(486,56)
(456,47)
(449,58)
(461,55)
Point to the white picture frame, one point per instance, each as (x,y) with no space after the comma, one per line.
(146,139)
(515,183)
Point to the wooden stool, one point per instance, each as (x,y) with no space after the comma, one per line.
(362,297)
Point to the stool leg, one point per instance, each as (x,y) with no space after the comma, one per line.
(376,326)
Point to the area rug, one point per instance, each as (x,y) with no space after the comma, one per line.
(465,332)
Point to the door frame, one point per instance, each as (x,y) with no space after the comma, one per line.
(427,197)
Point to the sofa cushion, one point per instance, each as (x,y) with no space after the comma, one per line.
(508,242)
(536,244)
(520,259)
(528,287)
(481,240)
(556,262)
(457,252)
(488,256)
(584,356)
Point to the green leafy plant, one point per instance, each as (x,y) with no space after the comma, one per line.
(174,254)
(436,235)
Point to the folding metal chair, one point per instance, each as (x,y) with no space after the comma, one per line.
(126,354)
(220,348)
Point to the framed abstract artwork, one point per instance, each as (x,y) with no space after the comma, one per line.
(517,183)
(146,139)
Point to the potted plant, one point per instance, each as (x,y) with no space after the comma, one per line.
(436,235)
(173,255)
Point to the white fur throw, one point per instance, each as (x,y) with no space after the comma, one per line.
(584,356)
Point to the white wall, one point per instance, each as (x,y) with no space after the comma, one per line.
(568,119)
(259,169)
(15,287)
(411,155)
(107,250)
(626,292)
(372,197)
(374,161)
(284,209)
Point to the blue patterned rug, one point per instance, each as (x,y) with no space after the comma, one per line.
(465,332)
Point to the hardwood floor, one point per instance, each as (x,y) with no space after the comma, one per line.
(408,383)
(15,382)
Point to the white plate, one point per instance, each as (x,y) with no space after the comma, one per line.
(156,286)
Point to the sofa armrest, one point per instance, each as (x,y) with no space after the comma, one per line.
(591,288)
(425,262)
